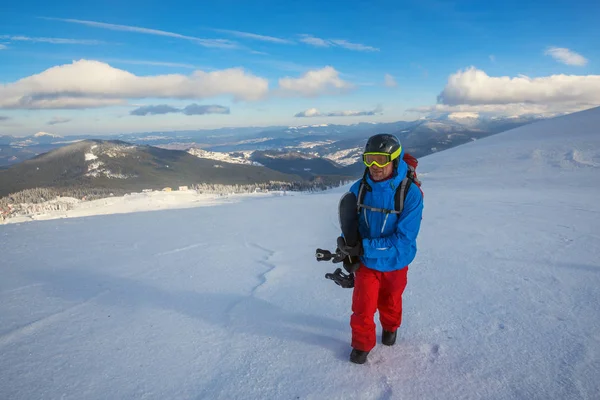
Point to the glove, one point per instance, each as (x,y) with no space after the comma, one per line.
(352,251)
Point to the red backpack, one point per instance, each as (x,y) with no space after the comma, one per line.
(401,191)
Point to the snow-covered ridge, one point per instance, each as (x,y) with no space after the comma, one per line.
(97,168)
(310,145)
(345,157)
(243,157)
(46,134)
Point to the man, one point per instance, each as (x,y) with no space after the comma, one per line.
(387,247)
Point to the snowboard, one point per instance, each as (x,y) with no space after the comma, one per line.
(348,218)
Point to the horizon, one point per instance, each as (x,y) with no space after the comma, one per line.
(73,68)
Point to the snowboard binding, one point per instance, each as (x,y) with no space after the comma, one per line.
(341,279)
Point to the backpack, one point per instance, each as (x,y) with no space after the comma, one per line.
(401,191)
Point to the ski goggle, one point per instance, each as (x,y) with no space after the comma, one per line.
(380,159)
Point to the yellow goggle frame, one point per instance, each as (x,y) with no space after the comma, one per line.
(380,159)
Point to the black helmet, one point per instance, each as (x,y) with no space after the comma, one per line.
(384,143)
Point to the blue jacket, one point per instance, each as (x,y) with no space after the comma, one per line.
(393,246)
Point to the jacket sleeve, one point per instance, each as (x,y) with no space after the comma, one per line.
(402,243)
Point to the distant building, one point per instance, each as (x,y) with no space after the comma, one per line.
(183,188)
(167,189)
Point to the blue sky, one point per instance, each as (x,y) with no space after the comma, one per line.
(107,67)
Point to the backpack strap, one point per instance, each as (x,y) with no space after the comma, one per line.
(362,189)
(401,193)
(399,196)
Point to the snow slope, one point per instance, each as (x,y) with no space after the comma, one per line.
(227,302)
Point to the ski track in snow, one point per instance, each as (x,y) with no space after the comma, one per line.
(54,318)
(262,278)
(266,263)
(180,249)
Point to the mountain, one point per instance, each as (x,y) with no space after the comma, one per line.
(421,137)
(305,165)
(228,302)
(120,165)
(235,158)
(46,135)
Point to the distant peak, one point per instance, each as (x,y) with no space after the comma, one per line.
(40,134)
(462,115)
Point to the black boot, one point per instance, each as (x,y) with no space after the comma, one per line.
(358,356)
(388,338)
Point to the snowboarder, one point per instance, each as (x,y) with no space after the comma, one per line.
(387,245)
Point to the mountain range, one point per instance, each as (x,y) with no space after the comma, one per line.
(309,153)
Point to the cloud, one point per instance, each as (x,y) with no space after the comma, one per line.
(215,43)
(390,81)
(50,40)
(566,56)
(313,112)
(353,46)
(192,109)
(255,36)
(513,109)
(313,41)
(473,86)
(3,46)
(196,109)
(3,118)
(318,42)
(58,120)
(155,63)
(154,110)
(314,83)
(492,58)
(473,91)
(86,84)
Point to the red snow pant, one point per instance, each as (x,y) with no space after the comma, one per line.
(375,290)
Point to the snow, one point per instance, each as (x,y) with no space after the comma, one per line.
(90,156)
(346,156)
(462,115)
(232,158)
(134,202)
(227,302)
(41,134)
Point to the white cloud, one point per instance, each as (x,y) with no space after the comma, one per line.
(58,120)
(51,40)
(314,83)
(566,56)
(314,41)
(313,112)
(217,43)
(473,91)
(390,81)
(154,63)
(513,109)
(353,46)
(85,84)
(192,109)
(473,86)
(318,42)
(3,46)
(255,36)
